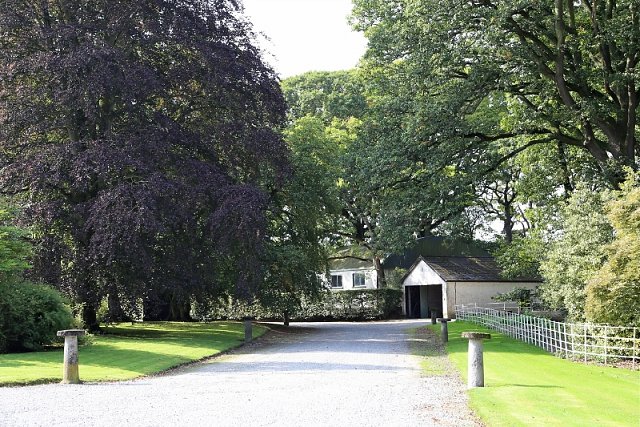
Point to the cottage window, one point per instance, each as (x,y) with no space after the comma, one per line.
(358,280)
(336,281)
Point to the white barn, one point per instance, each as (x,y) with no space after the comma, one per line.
(439,283)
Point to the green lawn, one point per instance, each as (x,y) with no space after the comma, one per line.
(525,385)
(128,351)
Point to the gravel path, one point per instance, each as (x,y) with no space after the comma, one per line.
(312,374)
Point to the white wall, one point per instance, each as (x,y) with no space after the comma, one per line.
(479,292)
(422,275)
(370,278)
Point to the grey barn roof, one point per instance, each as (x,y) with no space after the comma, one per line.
(433,246)
(467,269)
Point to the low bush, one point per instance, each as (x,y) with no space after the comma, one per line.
(30,315)
(357,304)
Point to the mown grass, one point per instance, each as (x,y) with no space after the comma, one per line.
(128,351)
(526,386)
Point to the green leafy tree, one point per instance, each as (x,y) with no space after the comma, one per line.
(327,95)
(561,72)
(337,101)
(613,293)
(577,252)
(15,249)
(305,213)
(522,256)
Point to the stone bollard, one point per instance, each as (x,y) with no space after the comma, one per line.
(248,329)
(444,329)
(434,315)
(475,367)
(70,374)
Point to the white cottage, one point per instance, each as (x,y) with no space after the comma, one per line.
(439,283)
(352,273)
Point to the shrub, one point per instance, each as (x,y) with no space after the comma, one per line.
(522,296)
(30,315)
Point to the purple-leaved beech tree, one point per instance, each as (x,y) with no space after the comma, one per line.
(142,138)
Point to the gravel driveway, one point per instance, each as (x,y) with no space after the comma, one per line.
(312,374)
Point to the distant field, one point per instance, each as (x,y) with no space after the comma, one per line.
(526,386)
(128,351)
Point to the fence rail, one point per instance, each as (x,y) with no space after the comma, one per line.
(588,342)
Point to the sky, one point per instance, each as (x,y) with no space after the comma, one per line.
(306,35)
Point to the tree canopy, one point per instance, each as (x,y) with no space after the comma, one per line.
(143,139)
(546,72)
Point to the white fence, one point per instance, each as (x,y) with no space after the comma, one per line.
(583,341)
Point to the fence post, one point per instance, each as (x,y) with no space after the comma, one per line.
(635,346)
(605,345)
(571,334)
(584,346)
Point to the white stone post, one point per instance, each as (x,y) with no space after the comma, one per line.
(444,329)
(70,374)
(475,366)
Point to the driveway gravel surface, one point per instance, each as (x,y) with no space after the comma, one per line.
(310,374)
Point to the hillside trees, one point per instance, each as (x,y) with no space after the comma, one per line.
(142,139)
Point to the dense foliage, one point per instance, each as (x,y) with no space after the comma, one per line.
(486,116)
(30,314)
(327,109)
(575,255)
(356,304)
(142,138)
(471,75)
(613,293)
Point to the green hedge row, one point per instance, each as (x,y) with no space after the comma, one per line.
(360,304)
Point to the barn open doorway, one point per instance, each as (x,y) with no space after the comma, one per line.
(420,301)
(433,299)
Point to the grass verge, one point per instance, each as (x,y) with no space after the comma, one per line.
(433,361)
(129,351)
(526,386)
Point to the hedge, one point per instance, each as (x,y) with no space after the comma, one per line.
(356,304)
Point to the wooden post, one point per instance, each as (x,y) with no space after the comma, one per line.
(444,329)
(248,330)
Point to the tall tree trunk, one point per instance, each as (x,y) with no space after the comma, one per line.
(179,310)
(562,157)
(90,318)
(382,280)
(116,314)
(507,228)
